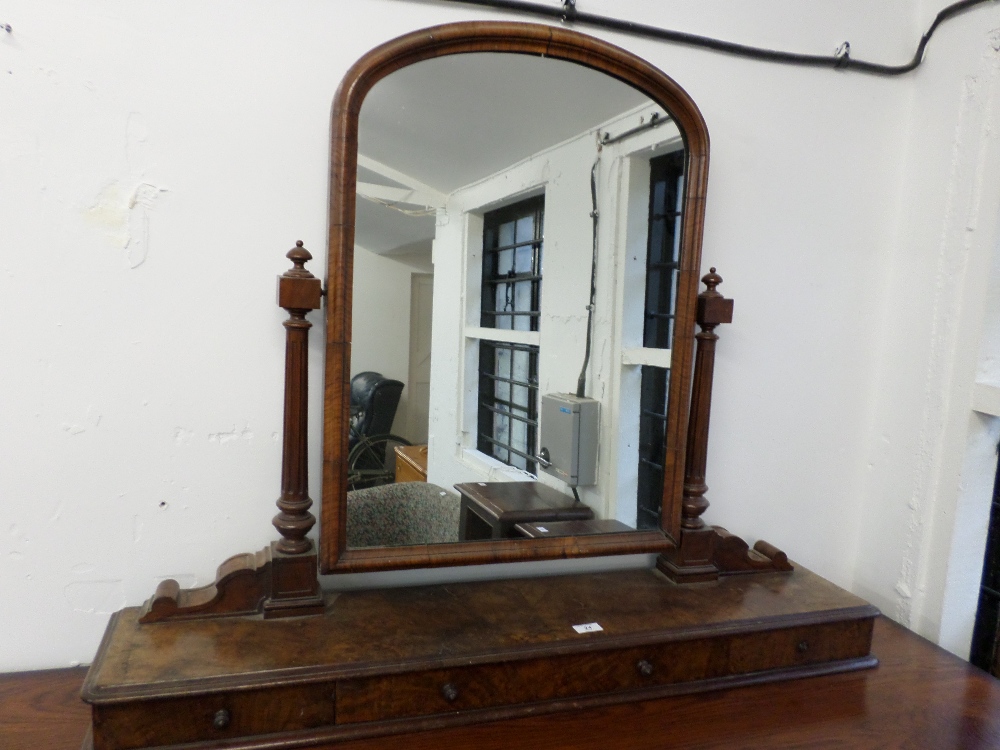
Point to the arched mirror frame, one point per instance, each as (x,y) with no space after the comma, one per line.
(516,38)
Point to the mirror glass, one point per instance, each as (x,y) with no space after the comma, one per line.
(484,183)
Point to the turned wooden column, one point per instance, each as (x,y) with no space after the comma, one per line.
(713,310)
(298,293)
(703,553)
(293,585)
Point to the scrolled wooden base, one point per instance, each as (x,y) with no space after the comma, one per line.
(705,554)
(267,582)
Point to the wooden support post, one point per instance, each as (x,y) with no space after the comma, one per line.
(705,553)
(294,588)
(280,580)
(298,293)
(713,310)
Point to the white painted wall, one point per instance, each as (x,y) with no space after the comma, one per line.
(157,160)
(380,330)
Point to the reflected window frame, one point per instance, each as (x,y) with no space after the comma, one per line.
(666,187)
(507,417)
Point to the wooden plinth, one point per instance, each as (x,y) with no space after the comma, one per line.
(403,660)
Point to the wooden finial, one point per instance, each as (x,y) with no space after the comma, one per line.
(298,289)
(711,280)
(299,257)
(713,308)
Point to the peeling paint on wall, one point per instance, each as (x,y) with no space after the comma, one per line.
(227,437)
(140,204)
(124,215)
(182,436)
(122,207)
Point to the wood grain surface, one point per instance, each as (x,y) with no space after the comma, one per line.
(43,710)
(397,661)
(386,631)
(919,698)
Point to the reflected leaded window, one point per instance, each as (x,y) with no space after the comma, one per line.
(666,189)
(652,444)
(512,266)
(511,300)
(508,402)
(666,181)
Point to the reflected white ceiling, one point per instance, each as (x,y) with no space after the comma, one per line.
(451,121)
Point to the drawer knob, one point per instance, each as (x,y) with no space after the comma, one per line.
(645,668)
(802,647)
(221,719)
(450,692)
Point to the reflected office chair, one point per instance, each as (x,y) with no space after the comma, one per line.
(371,460)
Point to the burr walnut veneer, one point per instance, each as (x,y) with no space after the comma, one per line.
(920,698)
(403,660)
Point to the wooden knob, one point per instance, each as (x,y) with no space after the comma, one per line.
(645,668)
(450,692)
(221,719)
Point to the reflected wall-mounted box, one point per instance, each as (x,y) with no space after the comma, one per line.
(568,437)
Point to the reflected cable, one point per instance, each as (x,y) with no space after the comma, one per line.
(581,383)
(841,59)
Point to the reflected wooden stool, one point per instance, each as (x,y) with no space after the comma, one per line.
(491,510)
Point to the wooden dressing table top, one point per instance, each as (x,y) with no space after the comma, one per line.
(395,661)
(919,698)
(427,627)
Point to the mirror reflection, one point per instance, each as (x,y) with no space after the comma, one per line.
(497,196)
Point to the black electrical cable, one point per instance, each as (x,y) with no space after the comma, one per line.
(581,383)
(841,59)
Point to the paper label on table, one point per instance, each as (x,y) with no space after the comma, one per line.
(590,627)
(542,529)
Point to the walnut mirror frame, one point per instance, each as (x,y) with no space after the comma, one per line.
(513,38)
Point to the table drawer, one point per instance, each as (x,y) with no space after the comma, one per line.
(595,673)
(217,716)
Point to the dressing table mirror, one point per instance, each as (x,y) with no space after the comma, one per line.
(264,657)
(461,193)
(473,234)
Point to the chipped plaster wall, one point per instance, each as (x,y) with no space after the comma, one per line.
(157,160)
